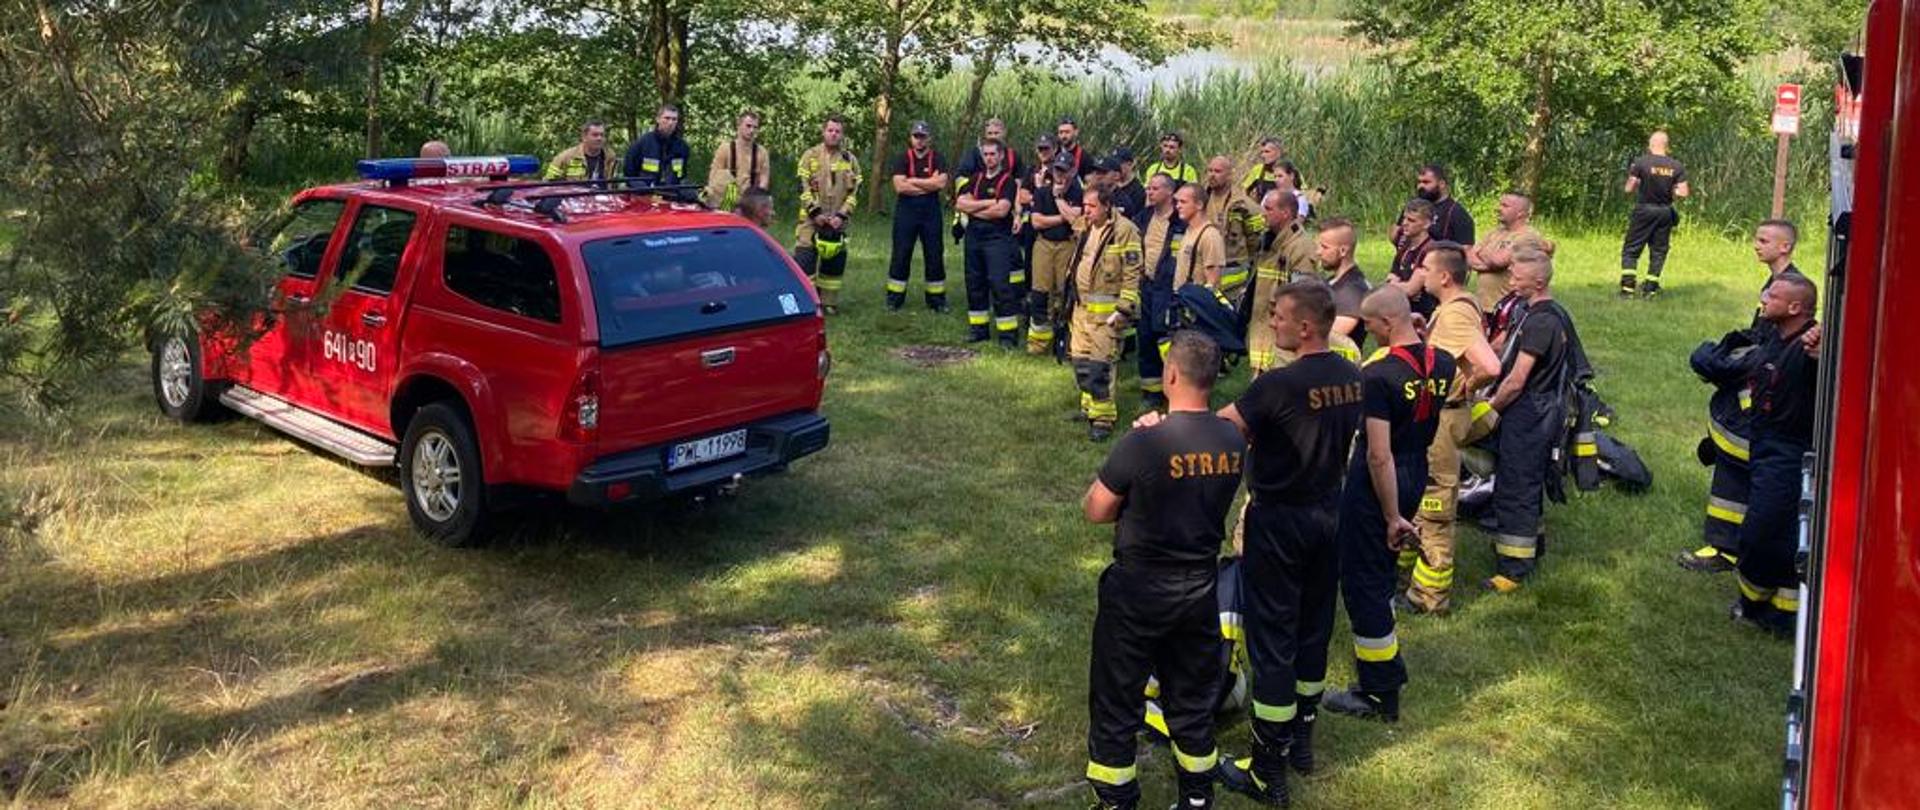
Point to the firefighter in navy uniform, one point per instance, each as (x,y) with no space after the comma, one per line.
(1403,388)
(1727,447)
(1656,181)
(1299,421)
(1130,191)
(829,177)
(1056,205)
(659,156)
(989,203)
(1784,382)
(1168,486)
(1106,283)
(1535,367)
(919,177)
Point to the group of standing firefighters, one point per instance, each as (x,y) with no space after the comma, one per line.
(1470,347)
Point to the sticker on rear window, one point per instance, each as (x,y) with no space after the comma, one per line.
(789,304)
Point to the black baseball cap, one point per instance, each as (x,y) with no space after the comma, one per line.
(1062,162)
(1122,155)
(921,128)
(1106,164)
(1066,120)
(1174,135)
(1044,142)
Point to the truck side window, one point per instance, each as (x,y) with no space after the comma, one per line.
(300,240)
(371,258)
(502,272)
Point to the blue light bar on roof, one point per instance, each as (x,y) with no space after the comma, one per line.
(404,169)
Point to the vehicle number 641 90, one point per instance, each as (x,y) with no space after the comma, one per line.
(343,348)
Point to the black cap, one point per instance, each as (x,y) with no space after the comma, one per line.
(1122,155)
(1067,120)
(1044,142)
(1174,135)
(1106,164)
(1062,162)
(921,128)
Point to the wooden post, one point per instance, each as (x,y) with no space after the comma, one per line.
(1780,177)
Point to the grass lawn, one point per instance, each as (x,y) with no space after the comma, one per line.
(216,617)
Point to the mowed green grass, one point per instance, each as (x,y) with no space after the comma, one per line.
(212,616)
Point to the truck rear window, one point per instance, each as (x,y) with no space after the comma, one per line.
(664,285)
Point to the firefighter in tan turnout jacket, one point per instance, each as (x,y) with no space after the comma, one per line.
(1106,281)
(829,176)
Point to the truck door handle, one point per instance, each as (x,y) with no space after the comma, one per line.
(296,298)
(373,319)
(715,358)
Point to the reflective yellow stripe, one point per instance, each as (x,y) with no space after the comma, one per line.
(1436,578)
(1309,688)
(1101,308)
(1434,505)
(1787,599)
(1151,385)
(1230,626)
(1755,592)
(1513,545)
(1130,296)
(1730,511)
(1273,714)
(1586,449)
(1267,274)
(1233,279)
(977,318)
(1153,687)
(1040,331)
(1107,774)
(1352,354)
(1007,324)
(1480,410)
(1156,719)
(1407,559)
(896,286)
(936,288)
(827,282)
(649,165)
(1729,443)
(1193,764)
(1376,650)
(1017,277)
(1746,399)
(1103,409)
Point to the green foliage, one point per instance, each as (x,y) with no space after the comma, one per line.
(1483,77)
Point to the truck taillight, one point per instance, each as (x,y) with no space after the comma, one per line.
(582,413)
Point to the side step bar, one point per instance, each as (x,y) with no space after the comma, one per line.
(310,427)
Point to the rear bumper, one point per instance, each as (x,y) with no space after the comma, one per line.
(641,475)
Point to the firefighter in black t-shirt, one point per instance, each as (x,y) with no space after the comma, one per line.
(1168,486)
(1656,180)
(1299,421)
(1402,389)
(1784,383)
(989,202)
(1535,369)
(919,177)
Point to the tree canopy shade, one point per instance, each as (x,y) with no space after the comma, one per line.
(1499,83)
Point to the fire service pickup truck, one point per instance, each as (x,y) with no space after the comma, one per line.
(596,340)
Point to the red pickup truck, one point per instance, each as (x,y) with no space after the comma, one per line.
(594,340)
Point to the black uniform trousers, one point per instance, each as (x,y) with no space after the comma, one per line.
(1291,571)
(1649,228)
(1160,621)
(1728,493)
(1528,432)
(1155,294)
(1369,570)
(1769,538)
(919,224)
(991,294)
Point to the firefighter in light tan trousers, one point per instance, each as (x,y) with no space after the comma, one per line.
(1106,280)
(1465,419)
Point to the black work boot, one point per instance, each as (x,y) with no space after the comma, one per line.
(1196,789)
(1706,560)
(1383,706)
(1263,776)
(895,301)
(1099,431)
(1116,797)
(1650,288)
(1300,750)
(1627,285)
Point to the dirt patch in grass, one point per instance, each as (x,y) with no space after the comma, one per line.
(935,356)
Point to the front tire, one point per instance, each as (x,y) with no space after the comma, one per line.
(440,477)
(179,388)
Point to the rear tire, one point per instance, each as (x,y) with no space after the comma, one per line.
(179,388)
(440,477)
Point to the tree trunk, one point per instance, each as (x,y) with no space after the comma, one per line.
(376,48)
(883,122)
(667,41)
(1533,159)
(236,137)
(983,68)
